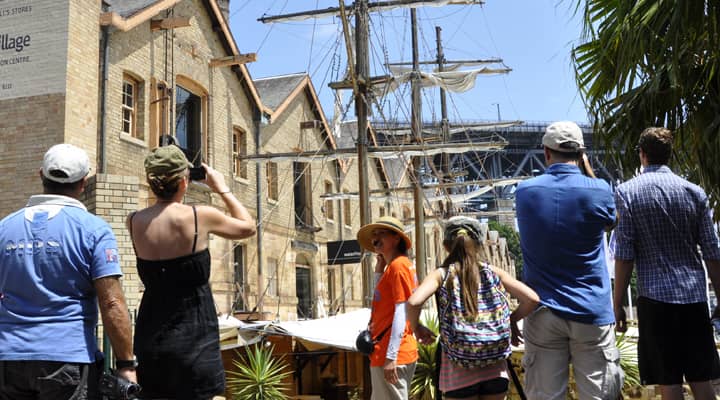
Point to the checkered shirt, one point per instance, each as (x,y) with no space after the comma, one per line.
(664,222)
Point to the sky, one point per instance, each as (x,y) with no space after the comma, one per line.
(533,37)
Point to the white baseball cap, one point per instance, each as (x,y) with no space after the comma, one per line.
(65,163)
(561,132)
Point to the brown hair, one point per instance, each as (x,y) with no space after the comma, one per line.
(165,186)
(656,143)
(466,254)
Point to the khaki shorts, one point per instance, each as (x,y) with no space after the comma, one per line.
(382,390)
(553,343)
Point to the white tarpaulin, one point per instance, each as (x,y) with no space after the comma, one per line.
(236,333)
(338,331)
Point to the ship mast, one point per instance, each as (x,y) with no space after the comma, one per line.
(361,82)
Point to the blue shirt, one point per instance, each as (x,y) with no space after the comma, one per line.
(663,219)
(562,216)
(52,251)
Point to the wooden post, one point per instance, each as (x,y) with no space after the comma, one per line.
(446,168)
(362,69)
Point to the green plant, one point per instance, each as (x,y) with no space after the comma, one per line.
(628,361)
(423,383)
(512,238)
(259,376)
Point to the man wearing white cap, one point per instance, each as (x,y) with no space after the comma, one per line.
(58,262)
(562,216)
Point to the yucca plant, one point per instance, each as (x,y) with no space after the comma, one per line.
(423,382)
(259,376)
(628,362)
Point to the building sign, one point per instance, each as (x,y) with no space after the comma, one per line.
(33,47)
(343,252)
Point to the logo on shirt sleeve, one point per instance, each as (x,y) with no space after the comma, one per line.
(111,256)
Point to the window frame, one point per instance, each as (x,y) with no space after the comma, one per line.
(347,210)
(160,97)
(302,194)
(197,90)
(329,204)
(271,173)
(132,109)
(239,149)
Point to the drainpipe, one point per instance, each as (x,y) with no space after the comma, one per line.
(259,218)
(102,159)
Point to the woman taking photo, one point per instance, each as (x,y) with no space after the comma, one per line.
(392,362)
(471,297)
(176,332)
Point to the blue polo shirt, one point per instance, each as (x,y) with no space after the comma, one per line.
(52,251)
(562,216)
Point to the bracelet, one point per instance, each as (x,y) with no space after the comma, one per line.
(122,364)
(227,191)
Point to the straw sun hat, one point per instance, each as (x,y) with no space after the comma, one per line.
(365,234)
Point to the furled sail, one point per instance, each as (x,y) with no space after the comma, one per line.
(452,81)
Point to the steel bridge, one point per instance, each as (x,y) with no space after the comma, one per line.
(522,157)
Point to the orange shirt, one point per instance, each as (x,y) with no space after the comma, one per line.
(395,286)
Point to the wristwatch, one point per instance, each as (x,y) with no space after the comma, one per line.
(122,364)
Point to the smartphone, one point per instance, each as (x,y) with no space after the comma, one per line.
(197,173)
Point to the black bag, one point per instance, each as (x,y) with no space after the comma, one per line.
(365,342)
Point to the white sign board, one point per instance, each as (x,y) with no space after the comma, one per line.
(33,47)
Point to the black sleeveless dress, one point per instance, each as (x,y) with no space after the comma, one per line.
(177,341)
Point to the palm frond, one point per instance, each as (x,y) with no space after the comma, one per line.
(259,376)
(654,63)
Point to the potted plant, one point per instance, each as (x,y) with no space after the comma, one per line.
(259,376)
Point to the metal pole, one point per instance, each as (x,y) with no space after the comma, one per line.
(259,204)
(416,117)
(362,68)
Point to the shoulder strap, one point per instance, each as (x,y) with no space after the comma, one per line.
(130,226)
(437,294)
(196,229)
(380,336)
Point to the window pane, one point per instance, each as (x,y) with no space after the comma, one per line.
(302,290)
(128,96)
(188,124)
(272,270)
(239,264)
(272,179)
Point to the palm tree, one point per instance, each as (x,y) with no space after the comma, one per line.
(654,63)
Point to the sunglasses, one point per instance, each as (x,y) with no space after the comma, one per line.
(379,233)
